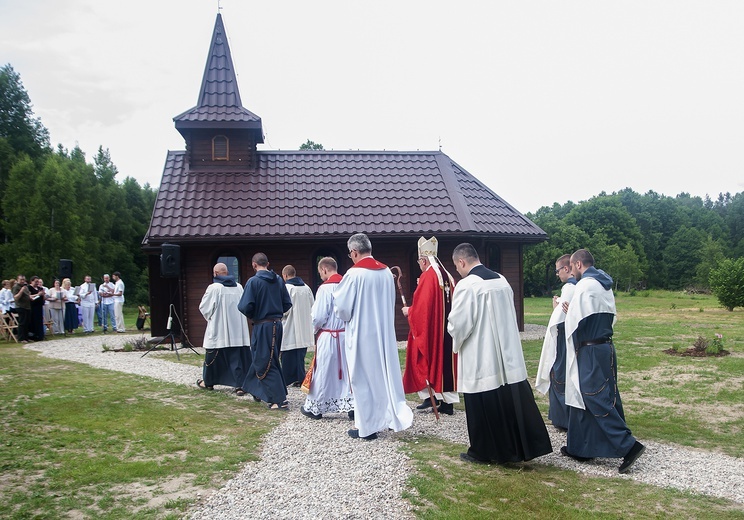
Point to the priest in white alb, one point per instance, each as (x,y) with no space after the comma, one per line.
(365,301)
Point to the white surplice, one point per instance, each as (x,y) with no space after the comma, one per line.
(365,300)
(226,326)
(550,343)
(297,321)
(485,335)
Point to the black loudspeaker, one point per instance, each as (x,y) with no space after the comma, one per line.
(65,269)
(170,261)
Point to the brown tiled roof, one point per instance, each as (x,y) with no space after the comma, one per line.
(219,103)
(326,193)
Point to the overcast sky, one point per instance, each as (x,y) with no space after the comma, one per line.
(543,101)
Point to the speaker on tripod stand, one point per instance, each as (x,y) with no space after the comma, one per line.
(170,267)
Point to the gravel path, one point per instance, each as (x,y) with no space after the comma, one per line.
(357,479)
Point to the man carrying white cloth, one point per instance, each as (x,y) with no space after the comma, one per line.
(551,372)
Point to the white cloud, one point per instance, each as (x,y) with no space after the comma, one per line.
(542,101)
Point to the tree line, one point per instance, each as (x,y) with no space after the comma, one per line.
(54,204)
(642,241)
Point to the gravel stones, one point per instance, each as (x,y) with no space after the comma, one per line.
(311,469)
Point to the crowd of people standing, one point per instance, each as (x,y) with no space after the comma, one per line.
(464,338)
(61,308)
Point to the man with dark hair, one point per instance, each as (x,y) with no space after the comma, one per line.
(298,327)
(596,421)
(504,423)
(22,307)
(264,301)
(365,301)
(227,338)
(551,372)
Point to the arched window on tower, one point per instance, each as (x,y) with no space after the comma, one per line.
(220,148)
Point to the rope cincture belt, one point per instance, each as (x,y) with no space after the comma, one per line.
(336,333)
(267,320)
(597,341)
(273,344)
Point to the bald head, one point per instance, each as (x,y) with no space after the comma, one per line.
(220,269)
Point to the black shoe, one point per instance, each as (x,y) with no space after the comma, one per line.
(351,415)
(560,428)
(296,384)
(447,408)
(565,453)
(354,434)
(310,414)
(469,458)
(426,404)
(632,456)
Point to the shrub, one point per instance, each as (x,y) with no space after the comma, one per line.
(727,283)
(701,344)
(716,345)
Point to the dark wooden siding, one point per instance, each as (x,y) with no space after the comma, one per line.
(197,263)
(242,149)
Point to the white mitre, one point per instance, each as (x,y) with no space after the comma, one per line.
(428,248)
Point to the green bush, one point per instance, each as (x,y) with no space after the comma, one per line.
(727,283)
(715,346)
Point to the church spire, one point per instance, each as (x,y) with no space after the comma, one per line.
(219,104)
(219,84)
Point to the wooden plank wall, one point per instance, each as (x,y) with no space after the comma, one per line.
(241,152)
(197,263)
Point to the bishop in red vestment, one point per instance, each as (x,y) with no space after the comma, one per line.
(430,363)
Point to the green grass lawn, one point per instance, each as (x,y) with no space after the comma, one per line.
(79,442)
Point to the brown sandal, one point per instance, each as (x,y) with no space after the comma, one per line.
(200,383)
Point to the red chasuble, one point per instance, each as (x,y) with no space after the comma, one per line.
(425,352)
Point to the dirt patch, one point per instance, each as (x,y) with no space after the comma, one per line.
(707,377)
(694,352)
(157,495)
